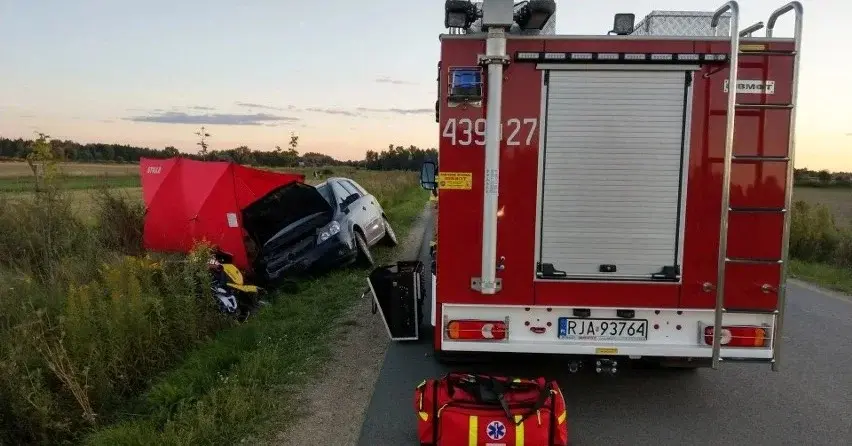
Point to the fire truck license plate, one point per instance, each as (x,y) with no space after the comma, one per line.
(581,329)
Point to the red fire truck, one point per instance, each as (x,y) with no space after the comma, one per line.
(613,197)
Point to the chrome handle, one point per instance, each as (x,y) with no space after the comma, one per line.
(792,6)
(748,31)
(767,288)
(708,287)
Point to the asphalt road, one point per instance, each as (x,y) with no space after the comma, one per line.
(808,402)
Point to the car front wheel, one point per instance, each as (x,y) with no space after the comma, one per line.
(365,258)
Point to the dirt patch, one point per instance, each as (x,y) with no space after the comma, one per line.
(334,407)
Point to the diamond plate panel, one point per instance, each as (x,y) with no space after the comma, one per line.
(681,23)
(548,29)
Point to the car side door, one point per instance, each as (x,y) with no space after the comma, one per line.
(365,211)
(354,211)
(374,209)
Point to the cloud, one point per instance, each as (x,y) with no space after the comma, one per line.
(398,111)
(211,118)
(333,111)
(387,80)
(201,107)
(261,106)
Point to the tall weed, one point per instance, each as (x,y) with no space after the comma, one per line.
(815,236)
(84,327)
(119,221)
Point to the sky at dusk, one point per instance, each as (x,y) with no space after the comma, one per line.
(346,76)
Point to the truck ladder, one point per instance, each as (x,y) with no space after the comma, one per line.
(732,107)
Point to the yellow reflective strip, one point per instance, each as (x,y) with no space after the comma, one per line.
(423,416)
(519,431)
(561,418)
(421,384)
(420,403)
(473,430)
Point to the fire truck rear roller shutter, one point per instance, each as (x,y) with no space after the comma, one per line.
(612,171)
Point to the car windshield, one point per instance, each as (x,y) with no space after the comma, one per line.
(325,191)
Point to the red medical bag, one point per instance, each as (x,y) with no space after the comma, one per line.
(480,410)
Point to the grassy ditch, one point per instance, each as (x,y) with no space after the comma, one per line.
(100,344)
(827,276)
(820,247)
(241,381)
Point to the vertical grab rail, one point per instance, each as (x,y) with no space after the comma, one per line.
(734,7)
(791,152)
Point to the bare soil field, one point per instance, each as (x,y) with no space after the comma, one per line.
(839,200)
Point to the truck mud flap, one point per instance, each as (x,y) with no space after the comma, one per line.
(398,295)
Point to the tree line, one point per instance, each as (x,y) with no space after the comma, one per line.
(392,158)
(822,178)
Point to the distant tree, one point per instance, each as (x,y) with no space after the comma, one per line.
(394,157)
(398,158)
(203,135)
(294,142)
(42,160)
(242,155)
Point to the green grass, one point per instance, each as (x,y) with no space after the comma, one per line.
(243,381)
(827,276)
(72,182)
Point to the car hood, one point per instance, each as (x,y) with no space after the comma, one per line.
(282,207)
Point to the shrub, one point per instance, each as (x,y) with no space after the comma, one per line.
(38,233)
(816,237)
(119,221)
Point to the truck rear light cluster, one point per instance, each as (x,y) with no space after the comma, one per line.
(739,336)
(476,330)
(667,58)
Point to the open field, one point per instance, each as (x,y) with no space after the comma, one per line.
(17,176)
(18,169)
(16,180)
(838,200)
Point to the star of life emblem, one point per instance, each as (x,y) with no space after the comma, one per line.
(495,430)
